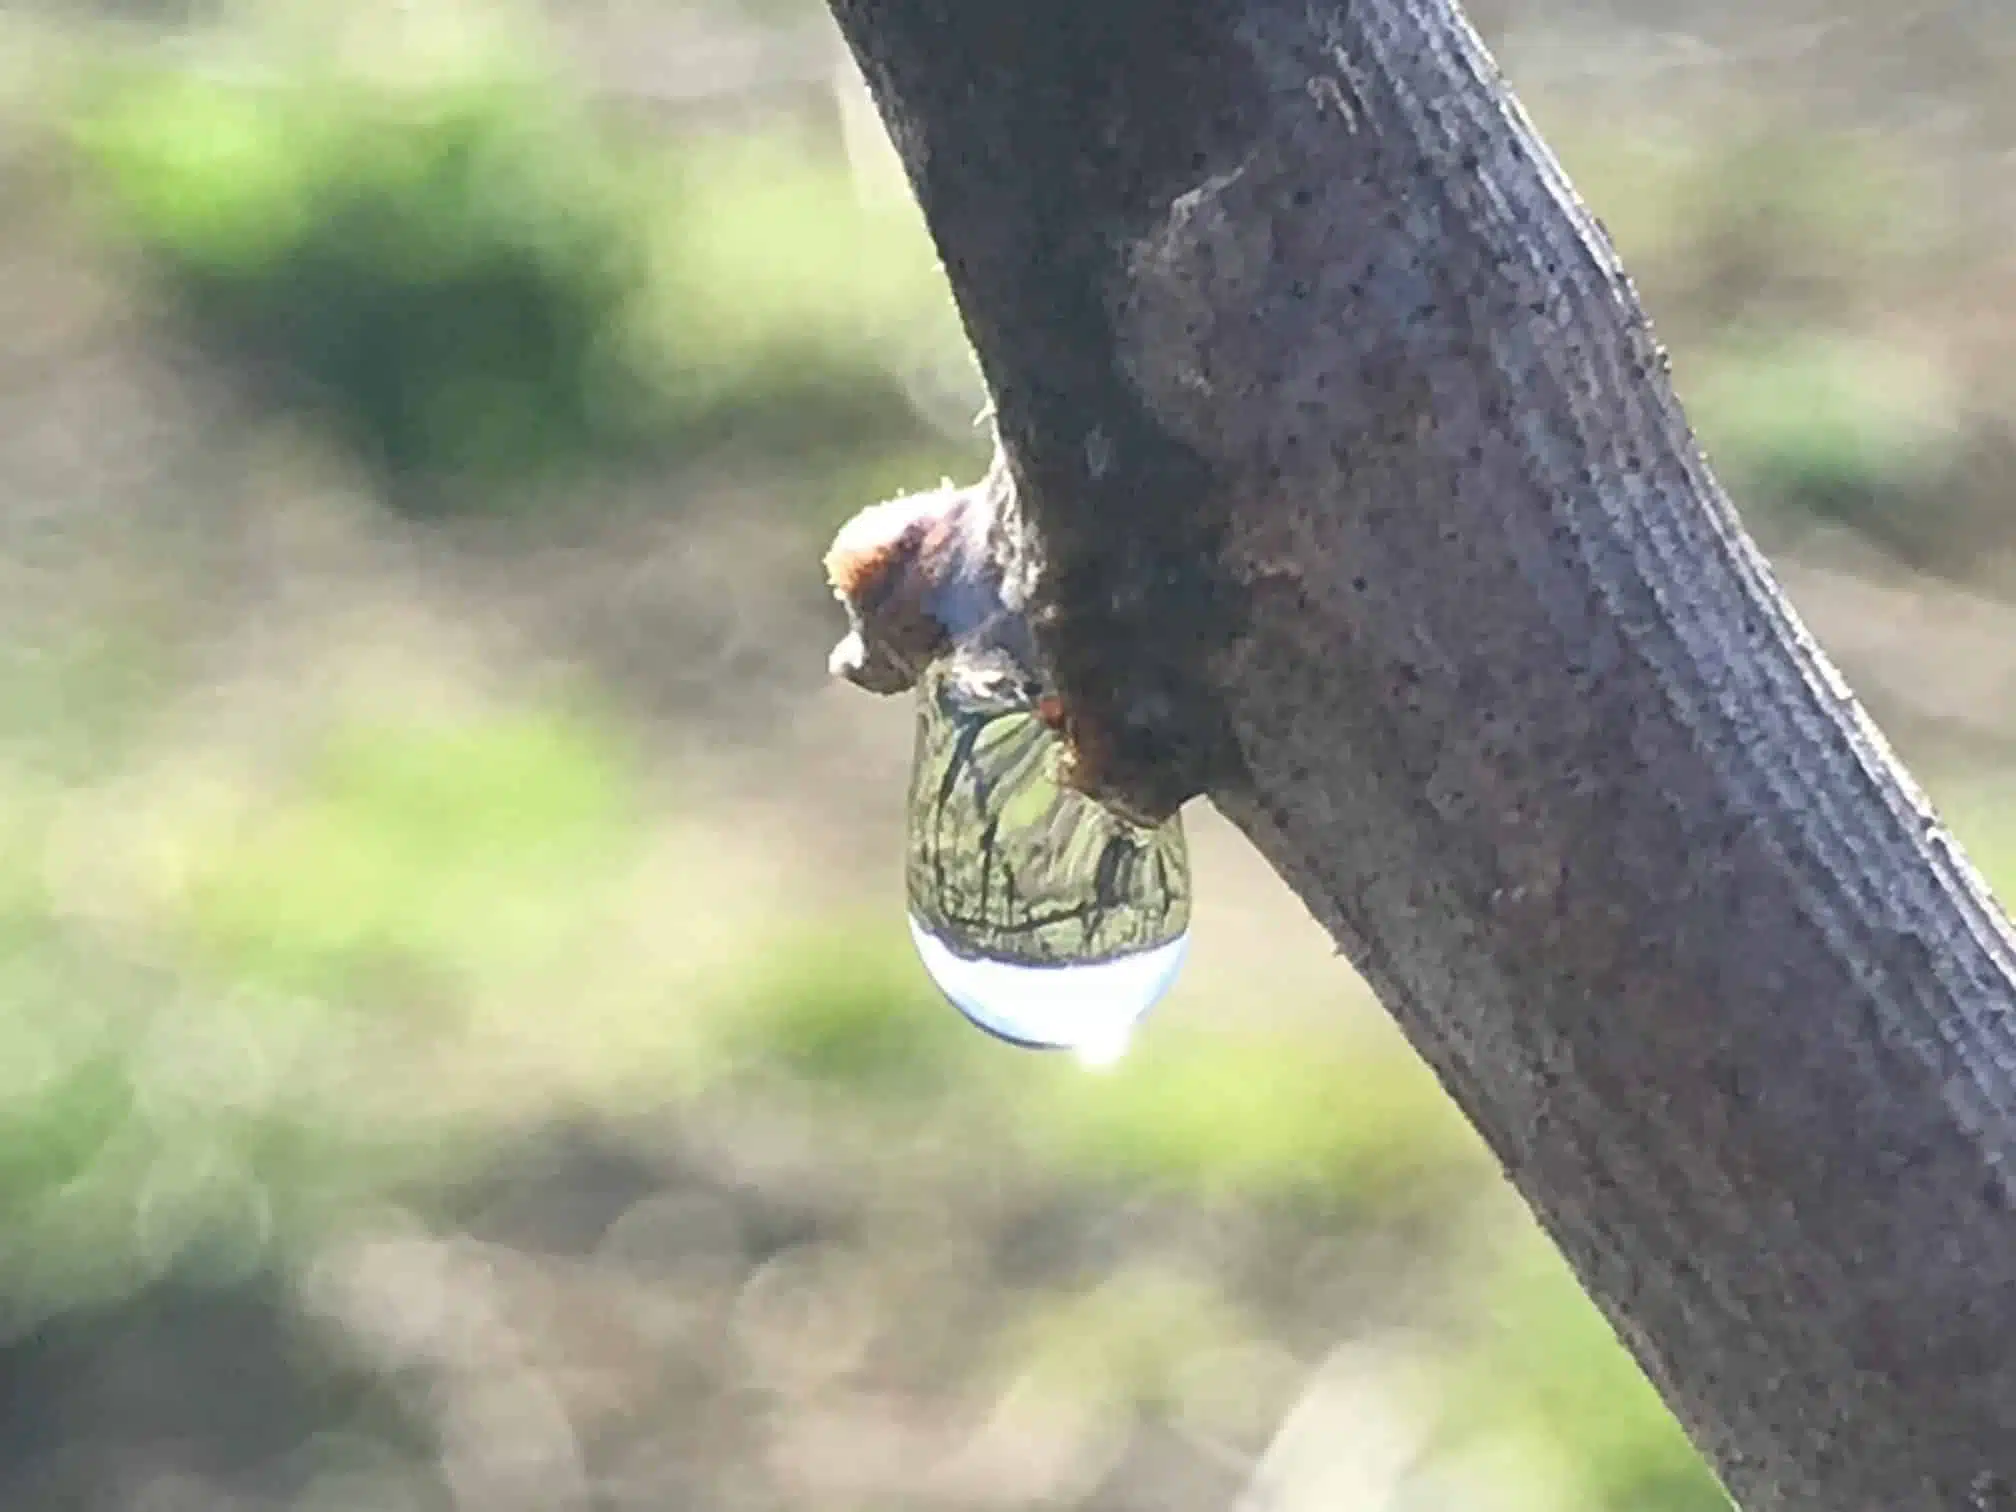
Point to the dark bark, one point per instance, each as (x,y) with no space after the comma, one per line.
(1352,490)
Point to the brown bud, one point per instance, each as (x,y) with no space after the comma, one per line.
(904,570)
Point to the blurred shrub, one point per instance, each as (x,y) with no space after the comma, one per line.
(206,1018)
(1784,268)
(839,1010)
(441,264)
(1261,1118)
(781,307)
(1818,430)
(1746,222)
(1548,1367)
(484,291)
(412,854)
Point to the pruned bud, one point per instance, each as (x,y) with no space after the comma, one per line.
(915,576)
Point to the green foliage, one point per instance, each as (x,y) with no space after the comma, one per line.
(1194,1115)
(484,290)
(1752,222)
(1775,264)
(72,703)
(441,264)
(77,1093)
(106,1181)
(414,856)
(780,308)
(202,1088)
(1548,1366)
(842,1010)
(1262,1119)
(1852,434)
(1982,812)
(183,1085)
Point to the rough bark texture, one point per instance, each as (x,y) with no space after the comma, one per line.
(1352,490)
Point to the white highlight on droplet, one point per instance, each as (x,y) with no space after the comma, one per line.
(1105,1054)
(1090,1008)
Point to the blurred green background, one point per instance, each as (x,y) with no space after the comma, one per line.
(459,1047)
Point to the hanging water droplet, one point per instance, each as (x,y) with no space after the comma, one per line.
(1046,919)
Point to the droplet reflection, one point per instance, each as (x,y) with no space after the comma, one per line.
(1048,920)
(1087,1007)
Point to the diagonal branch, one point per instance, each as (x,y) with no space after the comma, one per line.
(1350,488)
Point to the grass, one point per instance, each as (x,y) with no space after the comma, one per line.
(1261,1119)
(1543,1365)
(415,852)
(342,998)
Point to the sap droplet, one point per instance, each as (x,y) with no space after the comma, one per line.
(1047,920)
(1089,1007)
